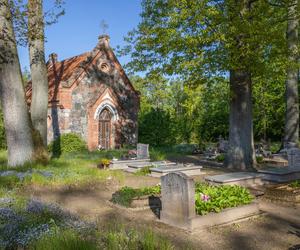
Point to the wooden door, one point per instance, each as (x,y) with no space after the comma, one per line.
(104,137)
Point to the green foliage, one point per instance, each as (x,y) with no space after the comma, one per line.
(163,153)
(259,159)
(67,240)
(219,197)
(220,158)
(9,182)
(119,237)
(67,143)
(295,184)
(155,128)
(143,171)
(105,161)
(126,194)
(199,42)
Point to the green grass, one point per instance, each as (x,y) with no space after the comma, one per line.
(64,240)
(295,184)
(143,171)
(116,235)
(70,170)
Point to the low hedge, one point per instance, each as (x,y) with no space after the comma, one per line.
(67,143)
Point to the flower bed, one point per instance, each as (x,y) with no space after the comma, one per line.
(208,198)
(126,195)
(211,198)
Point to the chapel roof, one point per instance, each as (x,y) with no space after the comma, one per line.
(63,74)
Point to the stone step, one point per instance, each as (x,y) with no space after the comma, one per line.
(154,163)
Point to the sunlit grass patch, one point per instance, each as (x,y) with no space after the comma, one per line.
(116,235)
(66,240)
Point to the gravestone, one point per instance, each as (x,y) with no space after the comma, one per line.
(178,199)
(142,151)
(223,145)
(293,158)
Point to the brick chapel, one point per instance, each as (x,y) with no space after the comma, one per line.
(91,95)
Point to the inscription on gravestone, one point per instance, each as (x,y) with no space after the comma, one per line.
(294,158)
(142,151)
(178,199)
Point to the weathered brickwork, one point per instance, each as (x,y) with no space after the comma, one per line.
(80,88)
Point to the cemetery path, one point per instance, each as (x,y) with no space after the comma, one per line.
(263,232)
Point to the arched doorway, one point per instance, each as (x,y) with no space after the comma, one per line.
(105,130)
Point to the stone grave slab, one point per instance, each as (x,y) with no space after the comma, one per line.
(134,167)
(282,175)
(246,179)
(153,163)
(123,164)
(279,175)
(186,169)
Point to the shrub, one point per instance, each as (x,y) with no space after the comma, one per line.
(126,194)
(67,143)
(220,158)
(259,159)
(185,148)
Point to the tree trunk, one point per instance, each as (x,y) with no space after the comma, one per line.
(16,119)
(241,153)
(291,133)
(39,103)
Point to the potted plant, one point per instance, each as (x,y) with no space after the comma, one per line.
(104,163)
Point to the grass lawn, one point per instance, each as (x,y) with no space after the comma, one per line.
(32,224)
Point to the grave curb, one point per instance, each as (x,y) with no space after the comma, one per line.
(226,216)
(131,209)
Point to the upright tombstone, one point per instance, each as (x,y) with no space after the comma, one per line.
(178,199)
(223,145)
(293,158)
(142,151)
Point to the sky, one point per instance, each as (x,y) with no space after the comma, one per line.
(77,31)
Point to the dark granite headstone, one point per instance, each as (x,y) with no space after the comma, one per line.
(293,158)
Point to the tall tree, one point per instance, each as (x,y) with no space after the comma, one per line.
(200,39)
(16,119)
(291,132)
(241,154)
(36,40)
